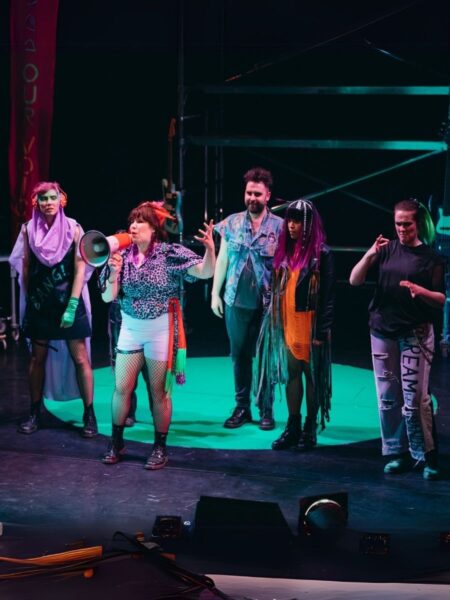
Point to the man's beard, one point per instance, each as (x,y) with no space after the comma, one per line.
(255,208)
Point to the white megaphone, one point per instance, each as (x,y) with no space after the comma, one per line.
(96,248)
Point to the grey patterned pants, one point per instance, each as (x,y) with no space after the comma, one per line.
(402,368)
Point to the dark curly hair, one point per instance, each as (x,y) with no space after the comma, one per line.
(259,175)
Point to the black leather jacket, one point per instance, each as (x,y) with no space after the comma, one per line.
(323,301)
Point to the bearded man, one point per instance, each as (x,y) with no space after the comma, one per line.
(248,243)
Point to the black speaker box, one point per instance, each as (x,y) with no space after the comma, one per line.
(241,526)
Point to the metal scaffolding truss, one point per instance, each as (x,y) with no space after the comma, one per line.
(213,101)
(321,90)
(421,148)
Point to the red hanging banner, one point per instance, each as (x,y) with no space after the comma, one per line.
(33,44)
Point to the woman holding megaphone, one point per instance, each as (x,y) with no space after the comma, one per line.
(145,277)
(55,306)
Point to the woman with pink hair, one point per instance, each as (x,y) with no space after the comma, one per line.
(295,338)
(55,306)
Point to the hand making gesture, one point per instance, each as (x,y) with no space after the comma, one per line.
(205,236)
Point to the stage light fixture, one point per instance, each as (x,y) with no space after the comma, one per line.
(168,527)
(323,516)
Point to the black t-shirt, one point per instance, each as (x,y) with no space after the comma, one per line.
(393,311)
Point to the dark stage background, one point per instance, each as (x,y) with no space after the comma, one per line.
(116,82)
(116,90)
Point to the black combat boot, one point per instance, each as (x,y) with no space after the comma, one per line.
(116,446)
(240,415)
(32,423)
(158,459)
(89,429)
(308,437)
(290,436)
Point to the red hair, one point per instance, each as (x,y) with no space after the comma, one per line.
(154,214)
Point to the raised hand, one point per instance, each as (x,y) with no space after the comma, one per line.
(378,243)
(205,236)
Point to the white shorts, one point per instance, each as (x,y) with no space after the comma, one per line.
(148,335)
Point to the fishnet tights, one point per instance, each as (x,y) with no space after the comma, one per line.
(162,402)
(127,369)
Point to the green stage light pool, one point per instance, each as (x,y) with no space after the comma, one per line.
(206,400)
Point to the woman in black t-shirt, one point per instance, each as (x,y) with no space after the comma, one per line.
(409,294)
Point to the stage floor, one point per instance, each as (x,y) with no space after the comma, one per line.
(203,403)
(54,482)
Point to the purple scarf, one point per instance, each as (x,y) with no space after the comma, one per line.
(50,244)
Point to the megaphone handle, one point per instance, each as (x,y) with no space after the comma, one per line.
(103,277)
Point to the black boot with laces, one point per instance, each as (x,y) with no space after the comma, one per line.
(308,437)
(89,429)
(290,436)
(116,446)
(158,459)
(32,423)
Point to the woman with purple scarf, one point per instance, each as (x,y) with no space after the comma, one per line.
(55,306)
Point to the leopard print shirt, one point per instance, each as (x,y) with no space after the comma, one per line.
(146,290)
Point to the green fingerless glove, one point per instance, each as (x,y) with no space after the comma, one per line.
(69,314)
